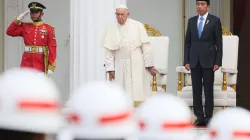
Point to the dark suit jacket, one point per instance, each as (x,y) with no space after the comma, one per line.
(208,48)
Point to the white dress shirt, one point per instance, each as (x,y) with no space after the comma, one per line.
(204,20)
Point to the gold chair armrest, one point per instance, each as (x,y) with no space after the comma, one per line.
(180,70)
(180,81)
(154,87)
(230,71)
(224,82)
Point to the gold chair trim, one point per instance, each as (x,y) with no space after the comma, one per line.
(225,32)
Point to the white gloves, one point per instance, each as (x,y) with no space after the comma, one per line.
(50,72)
(21,17)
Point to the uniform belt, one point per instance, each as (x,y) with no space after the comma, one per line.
(33,49)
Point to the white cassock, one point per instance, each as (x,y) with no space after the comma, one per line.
(128,53)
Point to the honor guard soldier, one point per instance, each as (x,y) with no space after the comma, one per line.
(39,39)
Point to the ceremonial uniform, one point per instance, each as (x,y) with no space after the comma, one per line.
(40,43)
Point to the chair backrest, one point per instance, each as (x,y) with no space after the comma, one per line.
(229,60)
(160,47)
(230,56)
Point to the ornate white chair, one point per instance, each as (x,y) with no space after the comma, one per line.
(160,46)
(225,77)
(160,49)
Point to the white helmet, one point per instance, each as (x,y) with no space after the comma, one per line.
(101,111)
(29,102)
(165,116)
(230,124)
(204,137)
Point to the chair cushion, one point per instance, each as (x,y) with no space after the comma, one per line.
(217,102)
(231,78)
(218,93)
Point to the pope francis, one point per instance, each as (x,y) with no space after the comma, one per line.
(129,56)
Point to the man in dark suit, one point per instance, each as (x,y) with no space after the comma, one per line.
(203,55)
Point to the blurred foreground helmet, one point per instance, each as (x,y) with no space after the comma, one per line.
(29,102)
(101,111)
(165,116)
(230,124)
(204,137)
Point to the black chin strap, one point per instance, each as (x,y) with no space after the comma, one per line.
(38,19)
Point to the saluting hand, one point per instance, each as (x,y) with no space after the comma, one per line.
(21,17)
